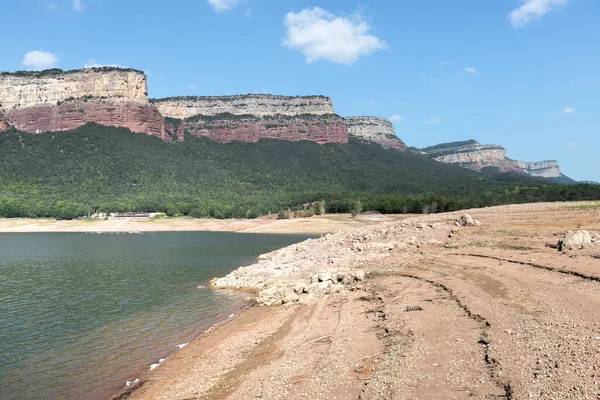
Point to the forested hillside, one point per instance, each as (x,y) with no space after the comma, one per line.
(96,168)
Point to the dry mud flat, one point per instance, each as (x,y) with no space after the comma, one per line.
(481,312)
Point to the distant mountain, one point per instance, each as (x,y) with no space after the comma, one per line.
(489,157)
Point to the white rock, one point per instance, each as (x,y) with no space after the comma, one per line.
(291,297)
(467,220)
(576,240)
(360,275)
(325,276)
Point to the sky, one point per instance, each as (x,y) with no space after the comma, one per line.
(524,74)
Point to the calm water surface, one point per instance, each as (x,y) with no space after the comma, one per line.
(81,314)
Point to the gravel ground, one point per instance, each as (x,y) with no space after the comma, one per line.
(479,312)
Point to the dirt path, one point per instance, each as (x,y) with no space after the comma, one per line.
(489,314)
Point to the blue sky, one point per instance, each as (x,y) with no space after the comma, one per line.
(521,73)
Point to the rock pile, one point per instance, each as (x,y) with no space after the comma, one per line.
(336,262)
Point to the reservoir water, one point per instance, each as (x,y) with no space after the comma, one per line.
(80,314)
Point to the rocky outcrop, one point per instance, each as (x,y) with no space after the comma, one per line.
(376,130)
(138,117)
(544,169)
(335,262)
(31,89)
(469,152)
(475,156)
(56,100)
(250,104)
(225,128)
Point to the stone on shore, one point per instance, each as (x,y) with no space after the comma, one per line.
(467,220)
(577,240)
(291,297)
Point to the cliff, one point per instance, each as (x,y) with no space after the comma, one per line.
(544,169)
(29,89)
(249,118)
(225,128)
(250,104)
(475,156)
(376,130)
(56,100)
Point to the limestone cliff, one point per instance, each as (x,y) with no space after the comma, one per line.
(250,104)
(473,155)
(225,128)
(29,89)
(376,130)
(56,100)
(544,169)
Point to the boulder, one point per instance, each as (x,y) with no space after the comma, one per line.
(324,287)
(467,220)
(299,288)
(290,297)
(325,276)
(359,275)
(575,241)
(268,298)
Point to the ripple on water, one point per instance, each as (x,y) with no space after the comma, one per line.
(85,313)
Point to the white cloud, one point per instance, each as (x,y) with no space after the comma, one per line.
(192,86)
(396,118)
(360,104)
(532,10)
(94,64)
(50,5)
(40,60)
(471,70)
(572,144)
(433,121)
(78,6)
(568,110)
(224,5)
(447,62)
(321,35)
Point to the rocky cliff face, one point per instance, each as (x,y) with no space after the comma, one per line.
(30,89)
(55,100)
(374,129)
(473,155)
(544,169)
(138,117)
(225,128)
(251,104)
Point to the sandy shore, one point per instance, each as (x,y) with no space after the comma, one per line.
(489,312)
(314,225)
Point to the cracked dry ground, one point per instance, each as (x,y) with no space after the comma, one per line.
(493,314)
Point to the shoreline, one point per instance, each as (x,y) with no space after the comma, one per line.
(314,225)
(414,327)
(184,348)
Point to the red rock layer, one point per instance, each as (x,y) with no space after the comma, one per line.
(330,129)
(390,143)
(503,166)
(3,124)
(138,117)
